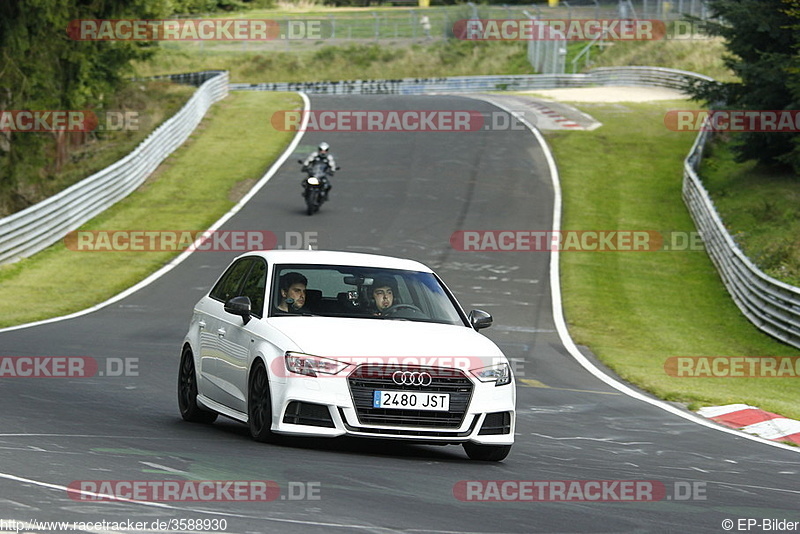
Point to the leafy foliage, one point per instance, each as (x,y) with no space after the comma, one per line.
(764,43)
(42,68)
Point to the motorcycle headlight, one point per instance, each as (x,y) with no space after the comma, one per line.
(313,180)
(306,364)
(500,374)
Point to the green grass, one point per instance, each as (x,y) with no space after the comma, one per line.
(192,189)
(701,56)
(347,62)
(636,309)
(153,102)
(760,207)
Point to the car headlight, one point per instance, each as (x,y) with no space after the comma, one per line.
(500,374)
(306,364)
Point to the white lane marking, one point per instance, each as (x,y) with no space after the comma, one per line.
(371,528)
(169,469)
(561,325)
(184,255)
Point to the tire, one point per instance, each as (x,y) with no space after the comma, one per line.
(312,202)
(259,404)
(487,453)
(187,392)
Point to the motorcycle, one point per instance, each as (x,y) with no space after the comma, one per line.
(316,184)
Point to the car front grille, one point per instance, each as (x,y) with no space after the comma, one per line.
(368,378)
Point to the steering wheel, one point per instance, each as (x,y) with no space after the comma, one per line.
(391,310)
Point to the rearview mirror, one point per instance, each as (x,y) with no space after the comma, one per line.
(480,319)
(239,306)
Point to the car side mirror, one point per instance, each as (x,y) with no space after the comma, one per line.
(338,167)
(239,306)
(480,319)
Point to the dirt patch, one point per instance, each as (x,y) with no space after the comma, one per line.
(611,94)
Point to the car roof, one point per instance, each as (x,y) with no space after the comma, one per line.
(323,257)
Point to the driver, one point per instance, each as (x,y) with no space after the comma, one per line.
(323,153)
(293,292)
(382,295)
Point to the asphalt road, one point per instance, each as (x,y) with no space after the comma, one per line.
(399,194)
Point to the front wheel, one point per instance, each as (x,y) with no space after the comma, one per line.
(259,404)
(187,392)
(312,201)
(487,453)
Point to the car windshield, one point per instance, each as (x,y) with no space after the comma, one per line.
(361,292)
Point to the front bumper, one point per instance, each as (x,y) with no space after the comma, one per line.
(331,406)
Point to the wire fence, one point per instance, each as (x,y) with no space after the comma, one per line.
(440,23)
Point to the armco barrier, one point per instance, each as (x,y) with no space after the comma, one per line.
(39,226)
(770,304)
(638,76)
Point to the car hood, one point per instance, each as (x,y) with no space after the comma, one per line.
(392,341)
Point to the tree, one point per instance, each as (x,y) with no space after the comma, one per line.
(42,68)
(762,37)
(793,10)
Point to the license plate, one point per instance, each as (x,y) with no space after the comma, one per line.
(411,400)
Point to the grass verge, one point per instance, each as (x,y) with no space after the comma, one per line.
(636,309)
(152,102)
(191,190)
(760,207)
(350,61)
(704,56)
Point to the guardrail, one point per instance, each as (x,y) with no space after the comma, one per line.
(28,231)
(770,304)
(639,76)
(35,228)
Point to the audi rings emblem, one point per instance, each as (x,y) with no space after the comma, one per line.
(409,378)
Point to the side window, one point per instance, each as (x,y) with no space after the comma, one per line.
(228,286)
(255,285)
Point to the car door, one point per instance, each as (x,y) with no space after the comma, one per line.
(212,328)
(240,338)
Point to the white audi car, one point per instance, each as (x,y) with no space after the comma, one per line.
(326,344)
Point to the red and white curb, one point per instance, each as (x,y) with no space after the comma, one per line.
(554,116)
(755,421)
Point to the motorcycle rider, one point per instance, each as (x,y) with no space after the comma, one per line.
(322,153)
